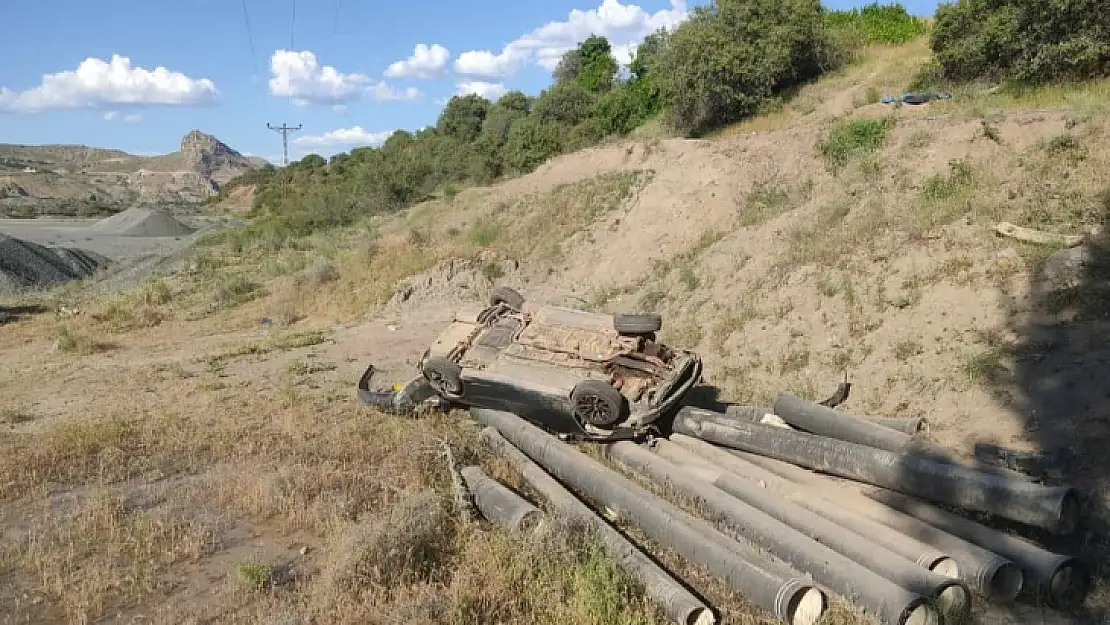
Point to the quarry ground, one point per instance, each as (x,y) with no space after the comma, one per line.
(194,451)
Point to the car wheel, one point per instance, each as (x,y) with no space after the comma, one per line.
(637,323)
(597,403)
(507,296)
(444,376)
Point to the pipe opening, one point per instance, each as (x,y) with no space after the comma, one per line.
(701,616)
(945,566)
(1005,582)
(1069,511)
(806,607)
(1069,585)
(920,614)
(954,601)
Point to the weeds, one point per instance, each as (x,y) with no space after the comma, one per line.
(71,341)
(852,138)
(233,289)
(765,201)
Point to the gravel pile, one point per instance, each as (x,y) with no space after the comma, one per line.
(142,222)
(27,265)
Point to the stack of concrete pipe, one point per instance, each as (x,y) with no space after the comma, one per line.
(889,478)
(789,536)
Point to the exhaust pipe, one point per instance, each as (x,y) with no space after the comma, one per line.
(771,585)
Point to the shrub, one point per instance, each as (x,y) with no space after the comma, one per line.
(1029,41)
(878,23)
(726,60)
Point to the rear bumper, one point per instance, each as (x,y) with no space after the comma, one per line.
(395,401)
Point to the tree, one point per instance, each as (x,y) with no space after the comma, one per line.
(727,59)
(642,85)
(566,103)
(599,69)
(463,116)
(591,65)
(530,143)
(1030,41)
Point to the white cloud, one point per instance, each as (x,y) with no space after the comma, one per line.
(425,62)
(111,116)
(97,83)
(625,25)
(353,136)
(383,91)
(488,90)
(298,76)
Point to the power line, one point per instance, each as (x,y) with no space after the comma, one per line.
(293,27)
(250,38)
(284,131)
(335,22)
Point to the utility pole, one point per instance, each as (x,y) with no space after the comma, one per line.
(284,130)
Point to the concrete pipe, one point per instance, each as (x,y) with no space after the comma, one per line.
(677,602)
(818,419)
(794,599)
(1048,507)
(889,602)
(998,578)
(498,503)
(684,449)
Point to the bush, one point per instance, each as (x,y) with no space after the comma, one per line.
(1029,41)
(725,61)
(878,23)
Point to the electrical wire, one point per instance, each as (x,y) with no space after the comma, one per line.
(250,38)
(293,27)
(335,21)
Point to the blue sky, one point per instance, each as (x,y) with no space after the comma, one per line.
(137,75)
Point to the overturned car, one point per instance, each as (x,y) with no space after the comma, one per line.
(580,374)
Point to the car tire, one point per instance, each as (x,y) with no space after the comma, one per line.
(507,296)
(637,323)
(444,376)
(597,403)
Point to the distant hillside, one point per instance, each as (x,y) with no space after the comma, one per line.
(82,180)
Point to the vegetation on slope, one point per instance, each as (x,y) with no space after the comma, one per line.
(757,52)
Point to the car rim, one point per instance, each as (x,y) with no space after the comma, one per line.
(594,409)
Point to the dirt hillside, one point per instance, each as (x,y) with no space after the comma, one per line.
(79,180)
(197,443)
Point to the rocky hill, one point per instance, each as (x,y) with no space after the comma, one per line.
(81,180)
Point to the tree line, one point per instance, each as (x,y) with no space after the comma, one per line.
(729,60)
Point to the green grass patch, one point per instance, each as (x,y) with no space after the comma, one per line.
(850,139)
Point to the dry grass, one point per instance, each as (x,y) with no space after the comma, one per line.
(881,70)
(139,498)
